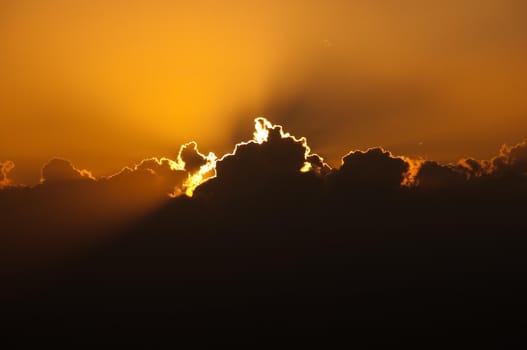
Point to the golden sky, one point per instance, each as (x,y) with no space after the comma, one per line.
(108,83)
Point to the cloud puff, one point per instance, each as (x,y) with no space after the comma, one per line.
(511,163)
(275,157)
(190,158)
(432,175)
(273,162)
(62,170)
(163,173)
(474,168)
(511,160)
(159,175)
(375,169)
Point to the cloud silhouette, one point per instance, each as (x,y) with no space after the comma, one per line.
(150,177)
(274,162)
(375,169)
(192,159)
(62,170)
(432,175)
(474,168)
(164,173)
(511,161)
(508,168)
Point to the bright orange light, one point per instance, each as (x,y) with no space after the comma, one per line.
(261,133)
(306,168)
(409,179)
(5,168)
(205,172)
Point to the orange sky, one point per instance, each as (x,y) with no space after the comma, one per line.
(108,83)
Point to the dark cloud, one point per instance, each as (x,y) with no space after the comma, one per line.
(474,167)
(511,160)
(269,165)
(317,164)
(154,176)
(61,170)
(166,173)
(507,169)
(191,157)
(375,169)
(432,175)
(272,159)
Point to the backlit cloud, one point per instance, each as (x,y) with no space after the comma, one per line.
(62,170)
(274,155)
(371,170)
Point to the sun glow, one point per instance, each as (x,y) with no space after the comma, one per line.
(261,132)
(409,179)
(205,172)
(307,167)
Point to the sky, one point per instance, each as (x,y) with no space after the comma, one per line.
(107,84)
(169,166)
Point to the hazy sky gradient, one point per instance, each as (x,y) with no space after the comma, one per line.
(108,83)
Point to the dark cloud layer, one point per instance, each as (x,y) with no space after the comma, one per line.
(383,245)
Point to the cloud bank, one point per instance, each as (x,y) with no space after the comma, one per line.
(270,234)
(276,156)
